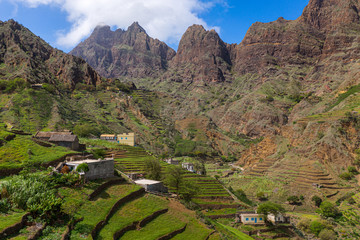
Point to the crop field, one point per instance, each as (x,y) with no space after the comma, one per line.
(90,213)
(22,149)
(209,188)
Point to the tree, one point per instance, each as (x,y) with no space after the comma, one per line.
(293,200)
(188,190)
(82,168)
(173,177)
(317,200)
(328,209)
(270,207)
(261,196)
(152,168)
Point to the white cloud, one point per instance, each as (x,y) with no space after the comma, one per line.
(166,20)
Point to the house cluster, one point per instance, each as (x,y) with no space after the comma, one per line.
(98,168)
(124,138)
(64,139)
(186,165)
(253,218)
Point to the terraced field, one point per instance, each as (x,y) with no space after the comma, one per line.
(90,213)
(300,176)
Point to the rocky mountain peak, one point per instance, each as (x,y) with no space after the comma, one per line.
(327,15)
(136,28)
(206,53)
(131,52)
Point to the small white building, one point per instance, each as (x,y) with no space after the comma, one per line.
(108,137)
(279,218)
(188,166)
(97,168)
(172,161)
(152,185)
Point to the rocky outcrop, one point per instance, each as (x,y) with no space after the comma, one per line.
(27,56)
(124,53)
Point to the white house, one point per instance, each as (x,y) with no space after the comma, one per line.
(188,166)
(152,185)
(279,218)
(97,168)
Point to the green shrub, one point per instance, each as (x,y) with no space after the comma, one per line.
(99,153)
(82,168)
(327,234)
(329,210)
(33,192)
(346,176)
(270,207)
(317,200)
(304,225)
(9,86)
(353,170)
(5,205)
(316,227)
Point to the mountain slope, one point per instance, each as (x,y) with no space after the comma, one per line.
(24,55)
(283,83)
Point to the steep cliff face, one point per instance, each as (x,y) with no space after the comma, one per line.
(124,53)
(329,15)
(201,56)
(22,54)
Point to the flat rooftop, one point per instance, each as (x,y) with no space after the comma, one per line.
(146,182)
(89,161)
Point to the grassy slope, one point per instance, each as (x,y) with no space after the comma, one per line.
(236,232)
(14,153)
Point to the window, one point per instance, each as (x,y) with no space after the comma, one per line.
(252,219)
(247,219)
(260,219)
(121,138)
(126,138)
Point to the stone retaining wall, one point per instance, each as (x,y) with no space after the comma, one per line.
(104,186)
(116,206)
(222,216)
(172,234)
(15,228)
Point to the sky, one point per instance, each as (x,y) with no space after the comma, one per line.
(64,23)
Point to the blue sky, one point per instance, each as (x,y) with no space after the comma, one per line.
(63,23)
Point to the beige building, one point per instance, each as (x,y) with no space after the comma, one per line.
(252,218)
(126,139)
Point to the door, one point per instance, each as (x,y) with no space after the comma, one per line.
(255,220)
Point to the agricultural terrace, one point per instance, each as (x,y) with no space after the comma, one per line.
(18,150)
(129,159)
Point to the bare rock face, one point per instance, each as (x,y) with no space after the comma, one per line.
(328,15)
(201,56)
(124,53)
(27,56)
